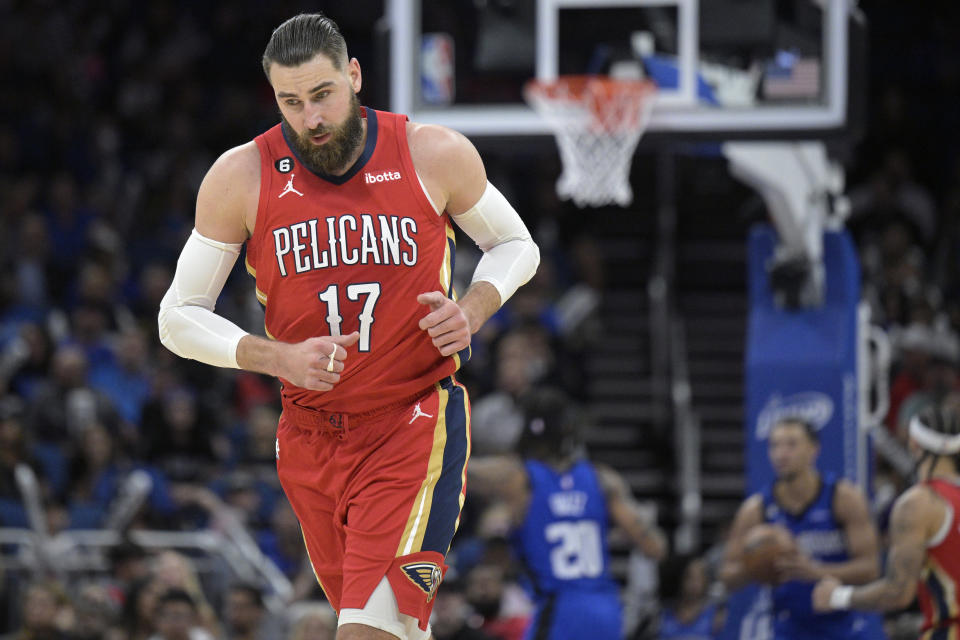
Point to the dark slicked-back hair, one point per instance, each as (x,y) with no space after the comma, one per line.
(551,425)
(811,431)
(301,38)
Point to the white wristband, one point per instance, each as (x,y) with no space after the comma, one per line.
(840,597)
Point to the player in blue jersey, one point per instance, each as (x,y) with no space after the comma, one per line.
(562,507)
(831,525)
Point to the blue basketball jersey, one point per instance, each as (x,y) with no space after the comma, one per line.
(700,628)
(563,544)
(819,535)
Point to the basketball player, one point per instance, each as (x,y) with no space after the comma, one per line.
(346,214)
(560,506)
(924,555)
(830,522)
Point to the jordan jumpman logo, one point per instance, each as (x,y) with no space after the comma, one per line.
(417,413)
(289,188)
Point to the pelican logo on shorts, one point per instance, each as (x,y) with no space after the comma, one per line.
(425,575)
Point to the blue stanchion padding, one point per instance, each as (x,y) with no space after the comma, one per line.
(799,363)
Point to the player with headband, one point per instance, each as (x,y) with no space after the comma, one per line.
(924,555)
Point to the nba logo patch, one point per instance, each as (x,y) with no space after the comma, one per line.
(425,575)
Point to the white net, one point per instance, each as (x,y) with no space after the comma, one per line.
(598,123)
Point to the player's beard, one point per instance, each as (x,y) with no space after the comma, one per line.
(330,158)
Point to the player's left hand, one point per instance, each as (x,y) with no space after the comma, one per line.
(798,566)
(446,323)
(822,592)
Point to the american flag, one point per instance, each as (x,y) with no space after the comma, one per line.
(790,76)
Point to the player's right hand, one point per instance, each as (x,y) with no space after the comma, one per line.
(315,363)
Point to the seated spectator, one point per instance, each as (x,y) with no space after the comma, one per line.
(31,263)
(14,450)
(452,616)
(96,613)
(125,380)
(503,608)
(252,390)
(174,571)
(252,499)
(177,435)
(129,564)
(68,221)
(177,618)
(91,468)
(254,443)
(940,377)
(45,614)
(283,542)
(312,621)
(523,359)
(147,292)
(688,614)
(66,404)
(245,616)
(25,361)
(914,346)
(139,607)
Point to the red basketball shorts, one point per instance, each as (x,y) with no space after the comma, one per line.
(379,494)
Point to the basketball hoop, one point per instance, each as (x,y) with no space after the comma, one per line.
(598,122)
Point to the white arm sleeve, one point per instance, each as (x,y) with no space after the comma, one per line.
(188,325)
(510,256)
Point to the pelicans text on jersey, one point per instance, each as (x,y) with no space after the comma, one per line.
(337,254)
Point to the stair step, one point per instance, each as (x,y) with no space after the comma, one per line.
(712,252)
(712,437)
(625,410)
(722,484)
(722,459)
(618,387)
(726,412)
(645,481)
(719,509)
(622,458)
(626,300)
(623,436)
(718,389)
(726,325)
(700,344)
(621,344)
(710,303)
(616,365)
(625,248)
(718,368)
(627,324)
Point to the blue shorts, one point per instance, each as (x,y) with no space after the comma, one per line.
(569,615)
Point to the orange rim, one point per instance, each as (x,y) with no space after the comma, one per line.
(617,105)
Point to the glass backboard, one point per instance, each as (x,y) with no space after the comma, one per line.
(722,66)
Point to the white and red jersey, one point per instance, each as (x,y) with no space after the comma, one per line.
(939,589)
(337,254)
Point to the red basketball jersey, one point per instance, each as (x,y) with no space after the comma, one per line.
(337,254)
(939,589)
